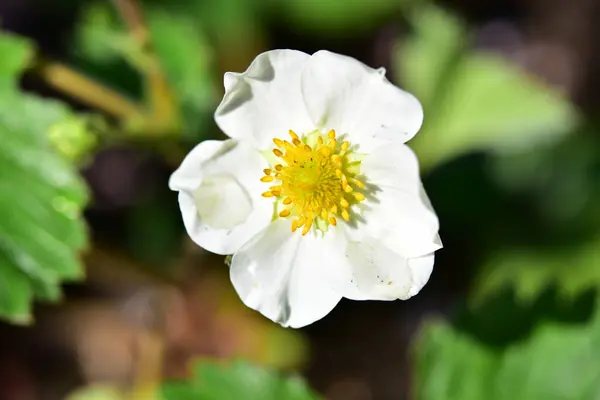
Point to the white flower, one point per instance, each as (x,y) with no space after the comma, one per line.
(336,210)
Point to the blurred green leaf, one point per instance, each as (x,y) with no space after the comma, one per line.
(187,60)
(239,380)
(572,269)
(41,196)
(557,362)
(473,100)
(184,53)
(341,17)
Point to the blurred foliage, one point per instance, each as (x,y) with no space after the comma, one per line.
(41,194)
(335,17)
(557,361)
(473,100)
(182,51)
(237,380)
(514,176)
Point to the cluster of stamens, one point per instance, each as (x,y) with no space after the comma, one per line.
(315,183)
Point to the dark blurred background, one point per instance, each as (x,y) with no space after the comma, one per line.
(510,158)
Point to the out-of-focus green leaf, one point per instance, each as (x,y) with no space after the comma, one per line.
(472,100)
(41,196)
(187,60)
(336,16)
(557,362)
(571,269)
(239,380)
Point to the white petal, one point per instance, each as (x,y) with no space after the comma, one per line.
(220,195)
(265,101)
(279,274)
(222,202)
(397,210)
(189,174)
(369,270)
(342,93)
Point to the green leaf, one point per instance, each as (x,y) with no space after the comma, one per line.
(557,362)
(572,269)
(41,197)
(187,60)
(340,17)
(473,100)
(239,380)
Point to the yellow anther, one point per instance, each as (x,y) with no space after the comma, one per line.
(345,215)
(316,183)
(307,226)
(358,183)
(326,151)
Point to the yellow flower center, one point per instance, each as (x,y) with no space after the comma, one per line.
(315,180)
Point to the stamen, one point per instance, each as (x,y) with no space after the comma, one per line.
(316,182)
(345,215)
(307,226)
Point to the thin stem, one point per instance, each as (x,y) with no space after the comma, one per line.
(86,90)
(164,110)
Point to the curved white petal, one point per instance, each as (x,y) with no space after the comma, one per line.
(397,210)
(220,195)
(344,94)
(279,274)
(189,174)
(366,269)
(265,101)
